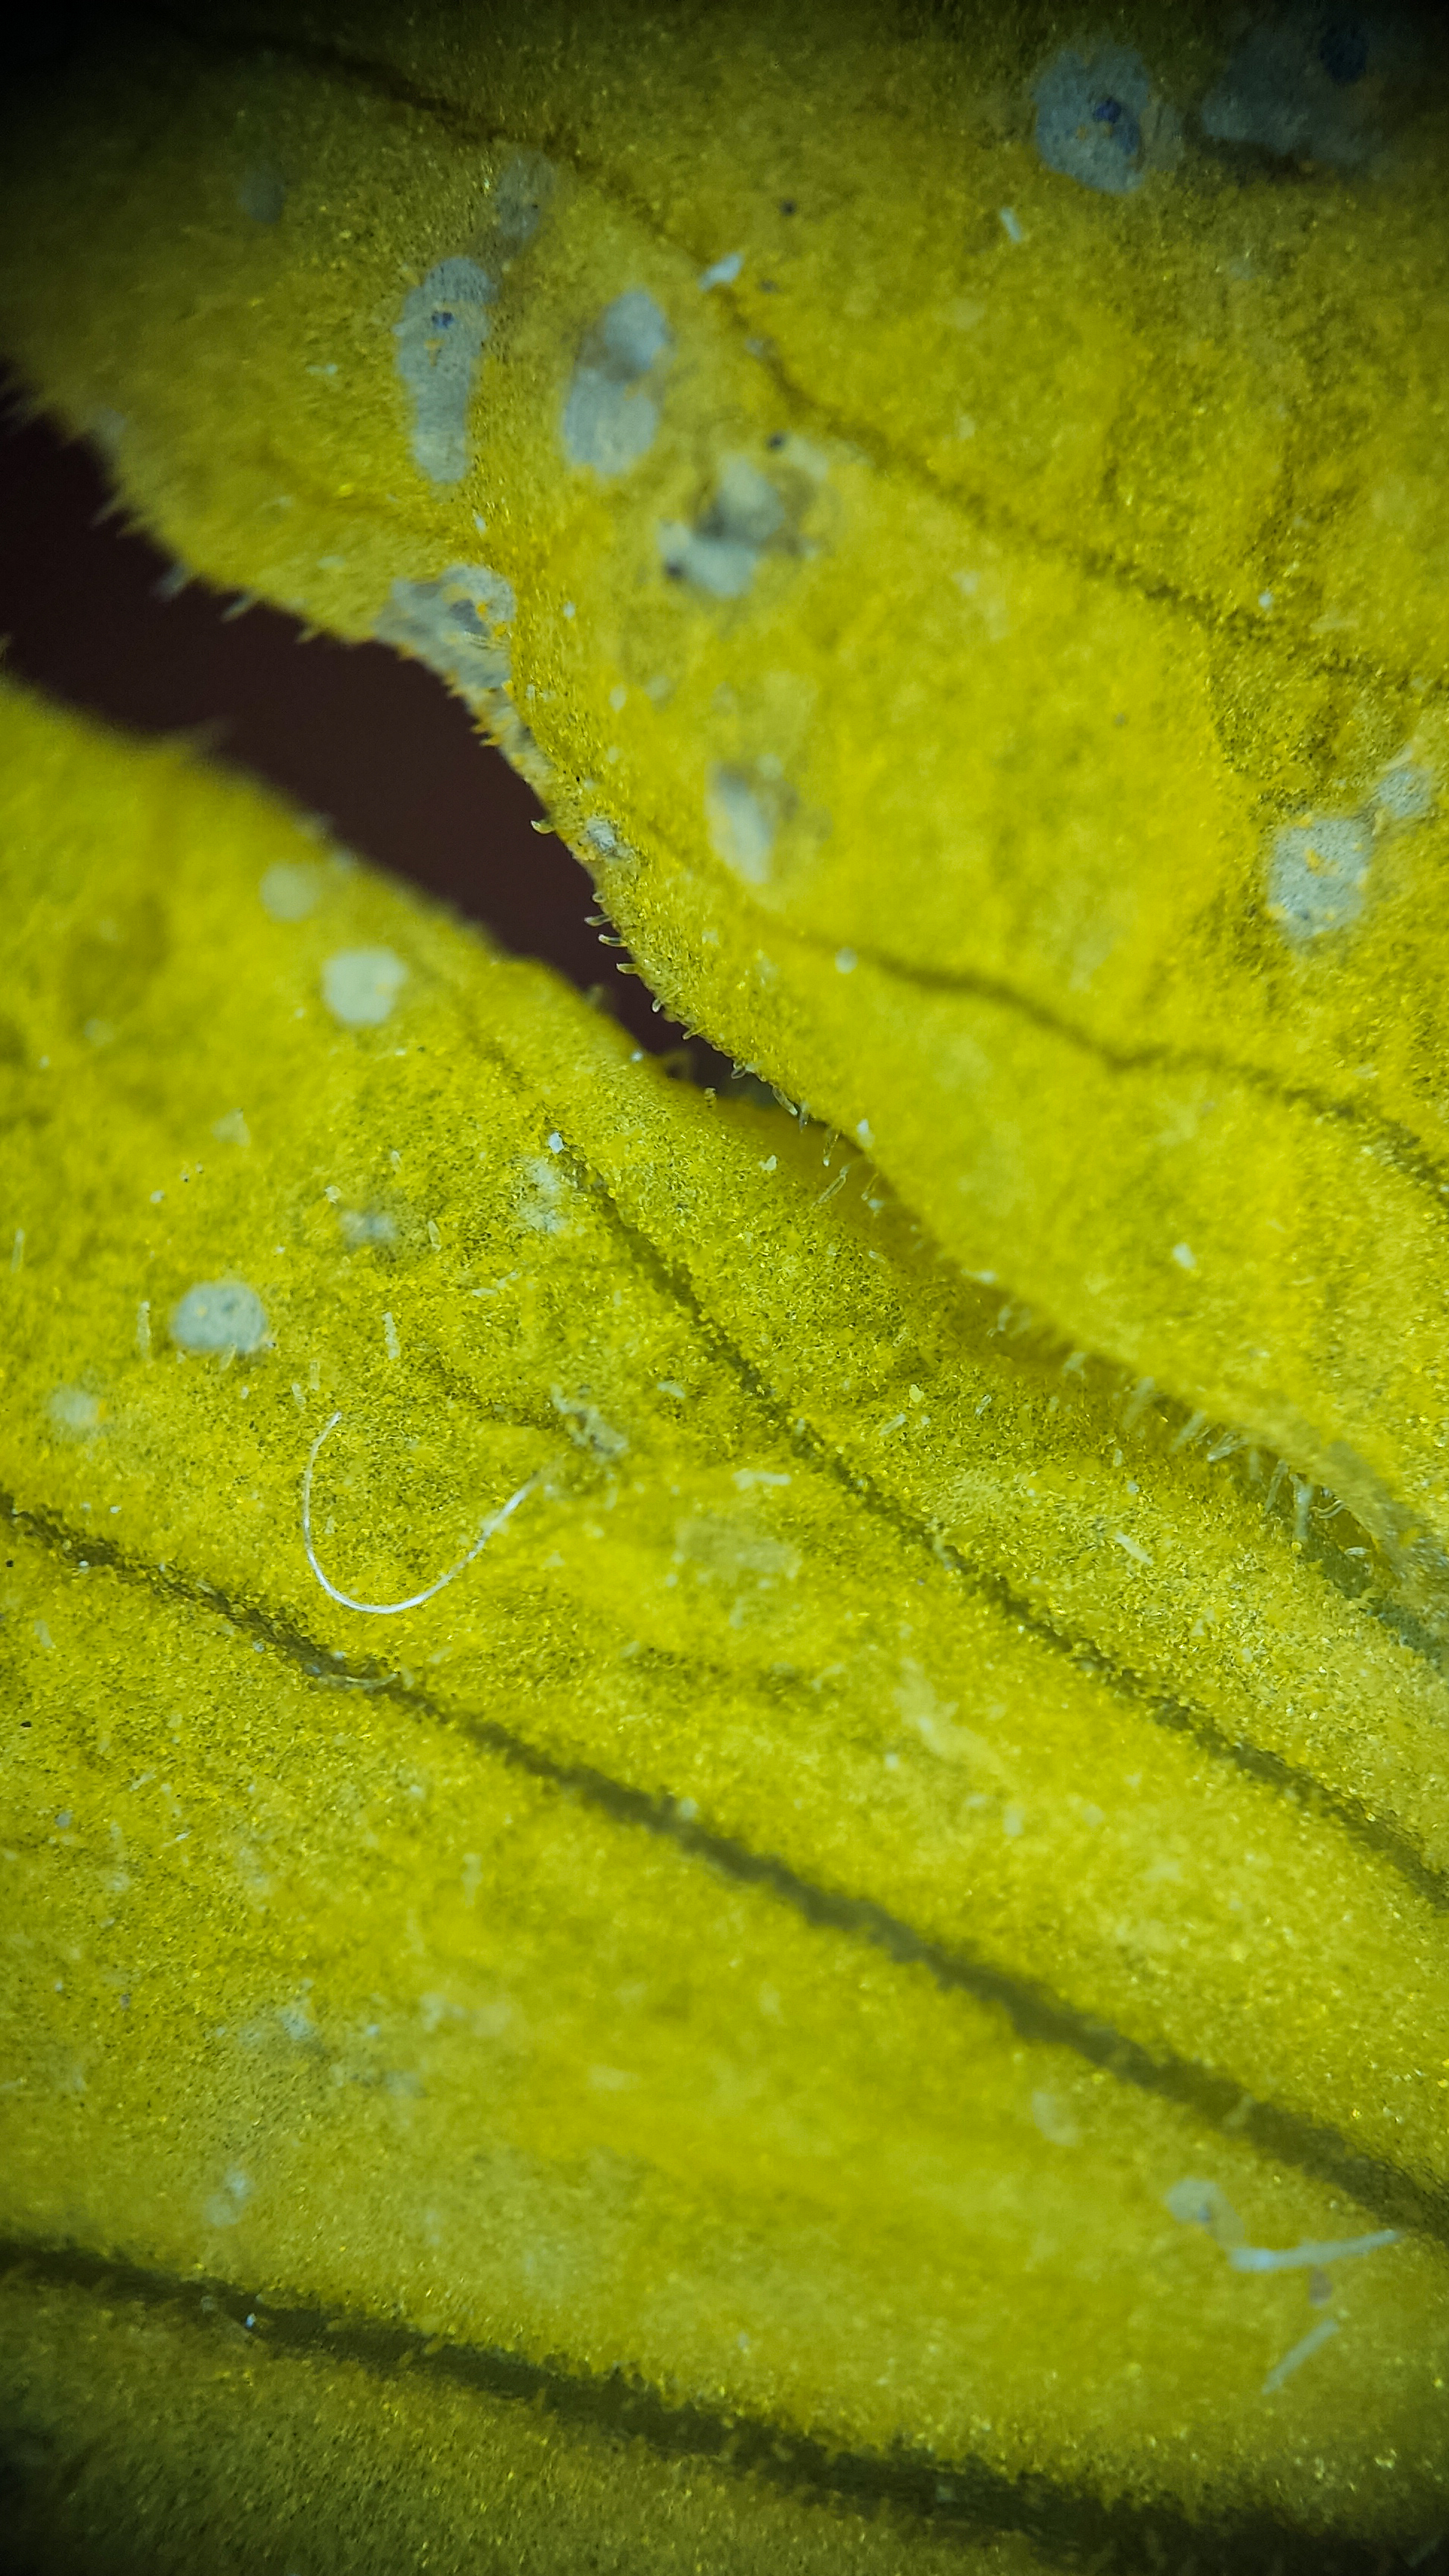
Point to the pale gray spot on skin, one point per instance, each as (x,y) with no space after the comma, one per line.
(456,625)
(1405,793)
(1195,2203)
(360,985)
(587,1427)
(610,418)
(741,829)
(439,342)
(289,892)
(721,553)
(262,195)
(734,1549)
(1100,121)
(520,196)
(219,1315)
(1316,875)
(364,1226)
(71,1410)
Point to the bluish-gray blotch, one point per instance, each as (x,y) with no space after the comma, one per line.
(721,552)
(439,342)
(456,624)
(1100,121)
(1306,85)
(611,416)
(219,1315)
(1405,793)
(1316,875)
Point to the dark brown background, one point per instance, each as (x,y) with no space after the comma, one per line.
(352,732)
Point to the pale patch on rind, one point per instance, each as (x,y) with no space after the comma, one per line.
(456,624)
(610,419)
(439,343)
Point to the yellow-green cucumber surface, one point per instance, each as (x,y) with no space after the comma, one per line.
(988,643)
(728,1936)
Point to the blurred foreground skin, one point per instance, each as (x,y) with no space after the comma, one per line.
(726,1832)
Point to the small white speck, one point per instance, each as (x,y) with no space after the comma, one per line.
(1011,223)
(555,1143)
(480,523)
(618,696)
(862,1130)
(722,272)
(156,1197)
(569,609)
(434,1237)
(1130,1548)
(769,1163)
(667,1386)
(1184,1256)
(389,1335)
(1265,599)
(845,961)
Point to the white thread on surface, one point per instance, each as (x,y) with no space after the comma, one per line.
(414,1600)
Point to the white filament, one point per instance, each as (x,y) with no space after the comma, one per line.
(414,1600)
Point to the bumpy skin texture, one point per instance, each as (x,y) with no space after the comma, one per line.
(782,1922)
(1029,589)
(902,1797)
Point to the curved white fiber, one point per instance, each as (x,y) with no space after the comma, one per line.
(415,1600)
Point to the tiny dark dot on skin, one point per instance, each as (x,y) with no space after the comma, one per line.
(768,286)
(787,205)
(776,438)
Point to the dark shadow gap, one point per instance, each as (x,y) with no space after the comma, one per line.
(91,613)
